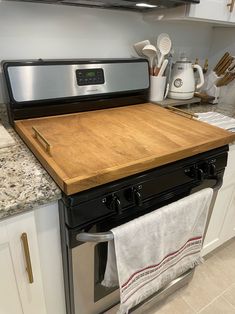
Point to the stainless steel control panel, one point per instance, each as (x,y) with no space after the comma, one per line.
(37,82)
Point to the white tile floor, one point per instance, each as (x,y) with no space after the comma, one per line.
(211,291)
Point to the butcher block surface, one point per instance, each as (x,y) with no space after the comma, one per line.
(96,147)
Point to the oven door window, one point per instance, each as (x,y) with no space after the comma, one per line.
(100,260)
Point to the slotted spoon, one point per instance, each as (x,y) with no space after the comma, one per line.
(164,46)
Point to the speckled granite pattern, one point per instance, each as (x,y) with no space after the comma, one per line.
(24,184)
(3,115)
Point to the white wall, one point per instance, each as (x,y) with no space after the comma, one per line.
(223,40)
(29,30)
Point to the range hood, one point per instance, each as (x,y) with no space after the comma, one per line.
(133,5)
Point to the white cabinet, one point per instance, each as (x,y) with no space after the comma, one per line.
(228,230)
(17,294)
(46,294)
(10,301)
(48,233)
(216,11)
(222,223)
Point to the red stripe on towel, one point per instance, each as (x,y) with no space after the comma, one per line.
(152,266)
(123,301)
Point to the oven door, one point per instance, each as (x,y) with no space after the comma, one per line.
(85,262)
(88,262)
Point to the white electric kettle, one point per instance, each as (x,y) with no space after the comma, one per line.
(183,85)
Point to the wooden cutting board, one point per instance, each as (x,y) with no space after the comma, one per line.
(92,148)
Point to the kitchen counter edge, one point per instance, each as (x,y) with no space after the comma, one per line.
(25,185)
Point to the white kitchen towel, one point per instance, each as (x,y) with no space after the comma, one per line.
(152,250)
(218,119)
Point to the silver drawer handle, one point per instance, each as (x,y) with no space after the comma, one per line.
(94,237)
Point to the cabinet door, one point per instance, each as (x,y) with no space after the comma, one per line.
(212,238)
(10,302)
(222,223)
(228,228)
(27,297)
(48,234)
(216,10)
(230,168)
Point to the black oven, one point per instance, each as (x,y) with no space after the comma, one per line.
(87,217)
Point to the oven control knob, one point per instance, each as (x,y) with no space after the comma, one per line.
(137,197)
(115,204)
(212,169)
(200,174)
(195,172)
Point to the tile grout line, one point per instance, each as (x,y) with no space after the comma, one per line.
(194,311)
(228,302)
(218,296)
(189,305)
(233,285)
(214,299)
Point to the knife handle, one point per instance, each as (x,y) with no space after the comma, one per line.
(231,5)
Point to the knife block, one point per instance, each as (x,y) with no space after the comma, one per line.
(210,87)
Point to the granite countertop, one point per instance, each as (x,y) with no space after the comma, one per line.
(24,183)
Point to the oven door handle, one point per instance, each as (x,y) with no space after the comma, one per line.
(219,182)
(94,237)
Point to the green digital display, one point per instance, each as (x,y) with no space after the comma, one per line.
(90,74)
